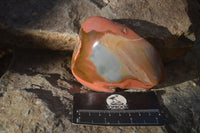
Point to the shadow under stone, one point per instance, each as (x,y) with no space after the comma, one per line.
(168,117)
(53,80)
(32,61)
(53,102)
(170,47)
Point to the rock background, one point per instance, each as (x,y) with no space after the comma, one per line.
(171,26)
(36,90)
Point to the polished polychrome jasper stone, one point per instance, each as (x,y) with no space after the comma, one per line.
(110,55)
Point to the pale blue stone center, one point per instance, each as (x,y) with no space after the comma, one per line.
(108,66)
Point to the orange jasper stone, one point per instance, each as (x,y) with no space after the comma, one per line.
(110,55)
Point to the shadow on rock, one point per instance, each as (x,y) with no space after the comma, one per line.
(36,61)
(170,47)
(193,11)
(169,118)
(53,102)
(5,59)
(23,12)
(53,80)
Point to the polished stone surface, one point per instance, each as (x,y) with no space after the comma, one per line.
(109,55)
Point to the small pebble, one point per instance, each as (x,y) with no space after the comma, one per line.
(38,102)
(194,84)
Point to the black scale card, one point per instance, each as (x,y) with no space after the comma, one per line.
(117,109)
